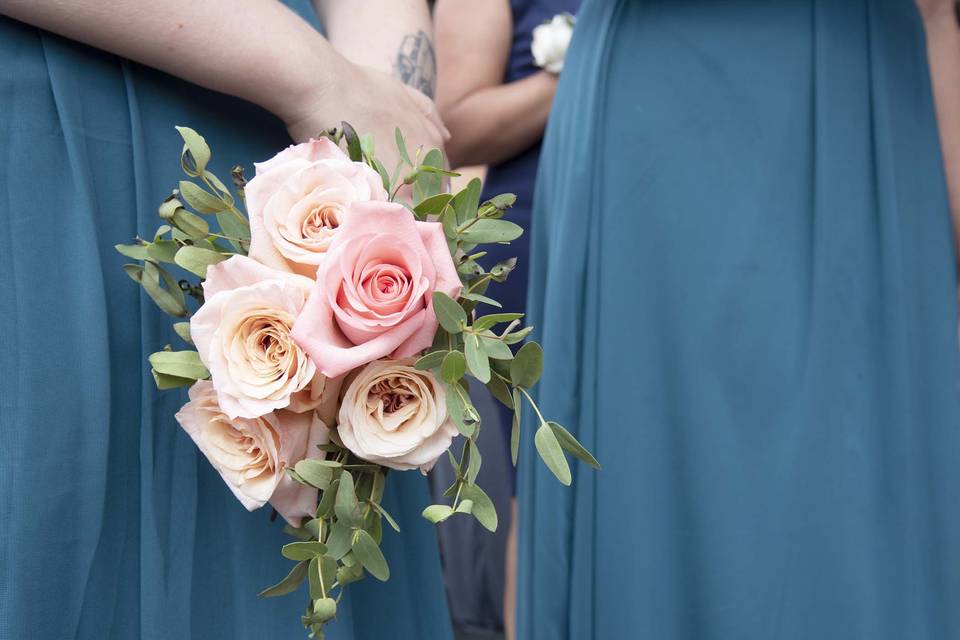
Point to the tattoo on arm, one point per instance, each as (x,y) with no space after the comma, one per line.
(416,63)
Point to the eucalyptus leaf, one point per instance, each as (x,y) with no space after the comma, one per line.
(324,610)
(527,366)
(190,224)
(183,364)
(428,184)
(515,429)
(473,466)
(200,199)
(366,145)
(572,445)
(303,550)
(451,315)
(402,146)
(431,360)
(433,206)
(489,230)
(483,509)
(135,251)
(465,203)
(436,513)
(499,389)
(552,454)
(346,506)
(354,150)
(183,330)
(328,573)
(383,512)
(236,230)
(327,500)
(315,473)
(346,575)
(316,585)
(135,271)
(457,409)
(198,149)
(476,297)
(465,506)
(453,367)
(485,322)
(196,259)
(496,348)
(370,556)
(477,360)
(163,381)
(339,540)
(163,250)
(288,584)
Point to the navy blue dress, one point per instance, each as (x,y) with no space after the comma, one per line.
(473,557)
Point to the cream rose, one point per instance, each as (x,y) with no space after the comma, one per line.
(394,415)
(242,333)
(252,454)
(298,200)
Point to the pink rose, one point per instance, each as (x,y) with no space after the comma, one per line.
(253,454)
(298,200)
(242,333)
(373,296)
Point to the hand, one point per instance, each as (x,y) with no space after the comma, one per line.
(374,103)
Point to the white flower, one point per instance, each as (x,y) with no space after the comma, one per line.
(242,333)
(252,454)
(396,416)
(550,42)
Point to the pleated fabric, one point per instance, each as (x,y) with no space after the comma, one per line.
(111,524)
(744,282)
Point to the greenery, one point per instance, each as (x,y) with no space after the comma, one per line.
(341,543)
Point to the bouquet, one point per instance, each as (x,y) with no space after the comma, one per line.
(331,332)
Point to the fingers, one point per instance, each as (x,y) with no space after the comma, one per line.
(429,109)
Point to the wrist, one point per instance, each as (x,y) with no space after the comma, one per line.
(308,90)
(938,15)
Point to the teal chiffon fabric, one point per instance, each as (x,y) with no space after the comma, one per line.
(744,282)
(112,526)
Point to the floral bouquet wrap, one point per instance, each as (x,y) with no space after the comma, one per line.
(331,332)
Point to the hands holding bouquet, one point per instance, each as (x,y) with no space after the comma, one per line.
(334,333)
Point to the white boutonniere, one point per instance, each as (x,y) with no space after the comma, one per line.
(550,42)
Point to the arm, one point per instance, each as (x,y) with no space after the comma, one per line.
(257,50)
(943,51)
(489,121)
(393,36)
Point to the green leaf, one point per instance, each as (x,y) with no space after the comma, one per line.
(288,584)
(428,184)
(339,540)
(476,297)
(502,269)
(517,336)
(346,575)
(552,454)
(199,151)
(316,585)
(183,330)
(135,251)
(168,297)
(402,146)
(432,206)
(303,550)
(135,271)
(485,322)
(325,506)
(439,171)
(384,176)
(465,506)
(200,199)
(473,466)
(183,364)
(196,260)
(527,366)
(328,573)
(436,513)
(346,506)
(383,512)
(457,408)
(488,230)
(465,203)
(453,367)
(502,201)
(572,445)
(476,358)
(451,315)
(236,230)
(192,225)
(354,150)
(431,361)
(515,430)
(370,556)
(496,348)
(483,509)
(498,388)
(164,381)
(315,473)
(366,145)
(162,250)
(324,610)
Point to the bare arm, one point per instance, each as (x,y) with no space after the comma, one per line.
(257,50)
(489,121)
(943,50)
(393,36)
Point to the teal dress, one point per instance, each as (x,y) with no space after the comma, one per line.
(744,282)
(112,527)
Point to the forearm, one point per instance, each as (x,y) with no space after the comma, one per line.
(943,49)
(495,123)
(393,36)
(257,50)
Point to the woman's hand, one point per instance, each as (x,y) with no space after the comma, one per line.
(372,102)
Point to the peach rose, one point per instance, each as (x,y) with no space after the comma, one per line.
(373,296)
(242,333)
(396,416)
(252,454)
(298,200)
